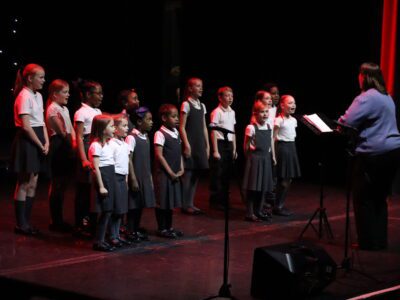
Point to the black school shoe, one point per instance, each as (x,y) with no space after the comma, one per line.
(103,246)
(177,232)
(132,237)
(165,233)
(60,227)
(29,231)
(284,212)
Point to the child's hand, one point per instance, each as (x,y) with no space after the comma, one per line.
(274,160)
(45,149)
(174,176)
(235,155)
(134,185)
(180,173)
(86,165)
(187,151)
(103,192)
(216,155)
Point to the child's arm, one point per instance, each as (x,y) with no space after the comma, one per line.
(133,183)
(276,131)
(26,126)
(73,137)
(158,151)
(248,136)
(46,138)
(102,190)
(246,144)
(81,148)
(234,146)
(214,142)
(273,150)
(206,137)
(57,125)
(187,152)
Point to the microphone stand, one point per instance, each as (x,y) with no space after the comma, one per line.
(224,291)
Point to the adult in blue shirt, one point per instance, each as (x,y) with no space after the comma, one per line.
(377,157)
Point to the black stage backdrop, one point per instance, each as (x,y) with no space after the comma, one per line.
(312,50)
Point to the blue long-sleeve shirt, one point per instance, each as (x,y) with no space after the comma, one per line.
(374,115)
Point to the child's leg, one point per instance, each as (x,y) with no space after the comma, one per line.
(30,194)
(19,203)
(82,202)
(56,199)
(189,184)
(281,193)
(102,227)
(250,203)
(161,219)
(169,216)
(115,222)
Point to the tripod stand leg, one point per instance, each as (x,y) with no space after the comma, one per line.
(327,225)
(309,223)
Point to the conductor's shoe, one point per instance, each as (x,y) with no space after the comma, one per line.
(284,212)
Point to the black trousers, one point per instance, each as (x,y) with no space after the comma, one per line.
(372,181)
(220,173)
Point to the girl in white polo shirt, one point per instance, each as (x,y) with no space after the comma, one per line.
(287,162)
(101,155)
(92,96)
(31,144)
(62,140)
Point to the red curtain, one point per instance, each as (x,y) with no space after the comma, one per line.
(388,44)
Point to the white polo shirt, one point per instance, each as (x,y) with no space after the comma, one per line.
(225,118)
(105,153)
(85,114)
(29,103)
(287,128)
(61,112)
(121,156)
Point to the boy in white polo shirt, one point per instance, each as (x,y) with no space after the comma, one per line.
(223,149)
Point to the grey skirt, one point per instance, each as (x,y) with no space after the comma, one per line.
(168,192)
(258,173)
(287,161)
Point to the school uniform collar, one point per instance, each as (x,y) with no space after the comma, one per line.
(139,134)
(34,93)
(172,133)
(259,125)
(194,101)
(60,106)
(229,109)
(88,106)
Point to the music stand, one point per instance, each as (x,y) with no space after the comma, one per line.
(321,126)
(224,291)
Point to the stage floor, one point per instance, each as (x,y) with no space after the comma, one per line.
(192,266)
